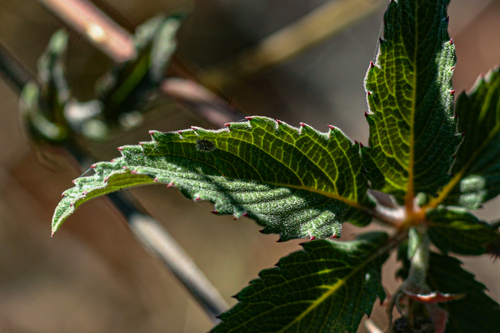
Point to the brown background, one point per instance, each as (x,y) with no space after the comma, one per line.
(93,276)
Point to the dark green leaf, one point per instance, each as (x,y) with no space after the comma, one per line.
(474,313)
(294,182)
(412,128)
(477,167)
(328,287)
(456,230)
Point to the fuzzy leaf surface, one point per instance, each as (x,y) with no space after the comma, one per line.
(295,182)
(327,287)
(412,128)
(477,166)
(458,231)
(476,312)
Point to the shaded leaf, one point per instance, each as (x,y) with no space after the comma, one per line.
(327,287)
(477,166)
(456,230)
(476,312)
(42,103)
(412,128)
(294,182)
(128,86)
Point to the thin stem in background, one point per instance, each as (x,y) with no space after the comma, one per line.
(147,230)
(86,19)
(312,29)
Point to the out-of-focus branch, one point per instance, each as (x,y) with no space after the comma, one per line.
(13,70)
(320,24)
(146,229)
(201,101)
(95,26)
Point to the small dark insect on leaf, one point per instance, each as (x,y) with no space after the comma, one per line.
(205,145)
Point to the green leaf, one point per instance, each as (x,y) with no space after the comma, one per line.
(412,128)
(296,182)
(477,165)
(42,103)
(476,312)
(327,287)
(128,86)
(456,230)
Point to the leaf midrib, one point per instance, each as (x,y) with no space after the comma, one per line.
(331,291)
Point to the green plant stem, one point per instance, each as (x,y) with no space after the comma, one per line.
(419,256)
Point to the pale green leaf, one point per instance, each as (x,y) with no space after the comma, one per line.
(295,182)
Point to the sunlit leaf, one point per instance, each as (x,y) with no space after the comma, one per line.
(412,128)
(295,182)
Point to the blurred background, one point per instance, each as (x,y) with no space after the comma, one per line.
(93,276)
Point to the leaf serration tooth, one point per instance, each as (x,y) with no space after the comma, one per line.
(171,184)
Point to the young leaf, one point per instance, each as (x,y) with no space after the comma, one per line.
(458,231)
(294,182)
(412,128)
(327,287)
(476,312)
(477,166)
(128,86)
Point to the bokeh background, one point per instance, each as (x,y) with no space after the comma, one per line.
(93,276)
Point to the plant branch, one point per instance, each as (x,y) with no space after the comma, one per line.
(13,70)
(95,26)
(147,230)
(310,30)
(201,101)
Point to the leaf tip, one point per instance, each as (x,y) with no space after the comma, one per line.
(249,118)
(451,41)
(311,238)
(332,127)
(171,184)
(120,148)
(214,212)
(372,64)
(452,92)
